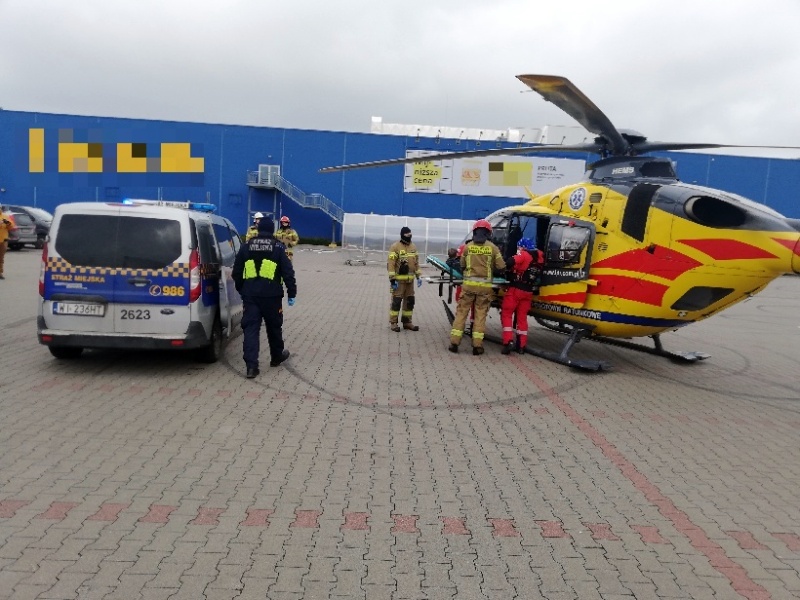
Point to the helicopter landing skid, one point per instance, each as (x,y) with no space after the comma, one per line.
(563,358)
(658,349)
(560,358)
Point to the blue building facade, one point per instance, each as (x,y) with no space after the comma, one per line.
(49,159)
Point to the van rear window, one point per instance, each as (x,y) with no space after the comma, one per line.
(118,242)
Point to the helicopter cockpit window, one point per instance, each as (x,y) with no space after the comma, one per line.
(567,245)
(658,168)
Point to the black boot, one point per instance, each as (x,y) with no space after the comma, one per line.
(507,348)
(477,351)
(277,361)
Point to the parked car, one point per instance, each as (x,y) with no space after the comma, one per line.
(41,220)
(24,231)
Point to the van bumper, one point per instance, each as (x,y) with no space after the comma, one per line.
(195,337)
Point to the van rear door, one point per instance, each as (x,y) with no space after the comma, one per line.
(151,291)
(78,285)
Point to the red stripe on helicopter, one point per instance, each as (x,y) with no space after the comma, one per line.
(728,249)
(658,261)
(792,245)
(630,288)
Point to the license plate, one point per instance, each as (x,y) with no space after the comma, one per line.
(80,309)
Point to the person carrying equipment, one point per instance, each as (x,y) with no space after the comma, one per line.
(287,236)
(480,260)
(524,274)
(403,267)
(252,231)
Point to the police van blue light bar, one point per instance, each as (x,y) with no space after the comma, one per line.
(199,206)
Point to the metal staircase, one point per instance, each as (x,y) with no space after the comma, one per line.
(269,177)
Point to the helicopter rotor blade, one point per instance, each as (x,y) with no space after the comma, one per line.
(656,146)
(563,93)
(591,148)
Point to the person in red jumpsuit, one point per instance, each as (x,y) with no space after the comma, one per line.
(524,271)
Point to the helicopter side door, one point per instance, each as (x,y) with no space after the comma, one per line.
(568,256)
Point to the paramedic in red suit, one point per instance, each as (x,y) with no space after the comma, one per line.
(524,269)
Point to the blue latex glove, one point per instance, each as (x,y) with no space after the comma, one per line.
(394,284)
(419,282)
(291,301)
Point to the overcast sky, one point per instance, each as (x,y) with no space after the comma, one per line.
(677,70)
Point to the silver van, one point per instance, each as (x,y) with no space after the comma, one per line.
(138,274)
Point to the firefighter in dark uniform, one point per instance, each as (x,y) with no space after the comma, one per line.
(259,272)
(403,267)
(480,260)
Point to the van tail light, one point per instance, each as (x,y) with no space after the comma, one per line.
(194,276)
(42,270)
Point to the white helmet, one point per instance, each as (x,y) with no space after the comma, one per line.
(258,215)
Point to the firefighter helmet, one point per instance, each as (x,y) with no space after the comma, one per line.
(482,224)
(258,215)
(284,220)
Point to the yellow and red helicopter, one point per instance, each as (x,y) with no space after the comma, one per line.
(632,251)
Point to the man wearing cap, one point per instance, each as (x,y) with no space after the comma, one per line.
(259,272)
(252,231)
(403,267)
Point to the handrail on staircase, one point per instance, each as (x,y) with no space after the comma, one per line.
(295,193)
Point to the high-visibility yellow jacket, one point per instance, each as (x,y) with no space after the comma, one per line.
(288,236)
(6,225)
(480,263)
(403,262)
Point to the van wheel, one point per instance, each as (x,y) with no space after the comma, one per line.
(65,352)
(212,352)
(15,246)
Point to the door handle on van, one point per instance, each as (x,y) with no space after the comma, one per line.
(139,281)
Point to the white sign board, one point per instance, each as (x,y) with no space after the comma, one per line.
(499,176)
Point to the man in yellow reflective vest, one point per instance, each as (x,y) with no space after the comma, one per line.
(403,267)
(260,271)
(480,260)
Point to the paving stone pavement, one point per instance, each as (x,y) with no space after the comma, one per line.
(377,465)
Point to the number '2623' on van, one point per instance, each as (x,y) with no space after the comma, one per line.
(138,274)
